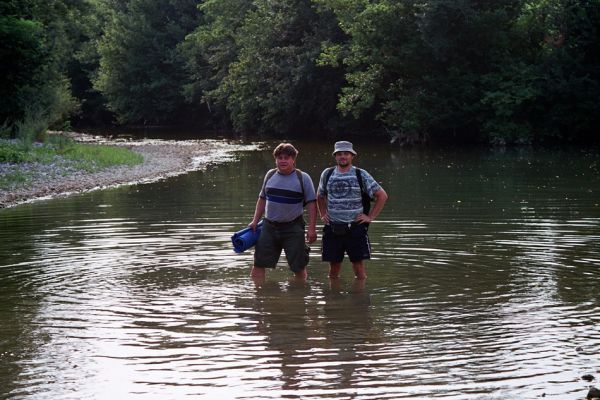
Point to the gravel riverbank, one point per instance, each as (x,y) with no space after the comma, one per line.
(162,159)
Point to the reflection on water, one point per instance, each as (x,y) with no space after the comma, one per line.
(484,285)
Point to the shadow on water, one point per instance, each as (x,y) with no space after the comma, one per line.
(483,285)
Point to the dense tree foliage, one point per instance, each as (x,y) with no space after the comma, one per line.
(141,72)
(258,60)
(22,56)
(501,71)
(37,37)
(495,71)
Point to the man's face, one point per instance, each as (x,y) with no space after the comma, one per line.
(285,163)
(343,158)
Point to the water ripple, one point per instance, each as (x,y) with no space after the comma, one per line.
(136,292)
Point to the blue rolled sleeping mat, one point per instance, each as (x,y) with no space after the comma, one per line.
(246,238)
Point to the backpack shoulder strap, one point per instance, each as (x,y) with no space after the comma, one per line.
(364,195)
(359,177)
(327,176)
(301,179)
(270,173)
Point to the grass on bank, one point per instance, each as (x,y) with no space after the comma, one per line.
(13,179)
(96,157)
(60,149)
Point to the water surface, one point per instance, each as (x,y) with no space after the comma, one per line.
(484,285)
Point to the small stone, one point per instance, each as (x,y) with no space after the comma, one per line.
(588,377)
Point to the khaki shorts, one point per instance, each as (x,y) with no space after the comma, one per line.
(288,237)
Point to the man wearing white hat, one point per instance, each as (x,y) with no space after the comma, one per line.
(343,198)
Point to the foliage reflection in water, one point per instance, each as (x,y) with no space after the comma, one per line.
(483,286)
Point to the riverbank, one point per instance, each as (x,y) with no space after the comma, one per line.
(162,159)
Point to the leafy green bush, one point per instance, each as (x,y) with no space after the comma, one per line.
(11,153)
(31,128)
(5,130)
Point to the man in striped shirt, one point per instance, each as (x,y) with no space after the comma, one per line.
(284,194)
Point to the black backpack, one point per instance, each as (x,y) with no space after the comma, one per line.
(366,199)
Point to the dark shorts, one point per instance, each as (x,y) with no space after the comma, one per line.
(355,243)
(288,237)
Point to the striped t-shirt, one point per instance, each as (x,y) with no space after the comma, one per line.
(344,200)
(283,193)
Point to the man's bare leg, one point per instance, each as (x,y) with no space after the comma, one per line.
(334,270)
(359,269)
(302,274)
(257,273)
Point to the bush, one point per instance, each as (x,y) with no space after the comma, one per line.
(11,153)
(32,128)
(60,143)
(5,130)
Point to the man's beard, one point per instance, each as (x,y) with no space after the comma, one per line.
(344,163)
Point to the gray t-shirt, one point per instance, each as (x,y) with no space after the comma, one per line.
(344,200)
(283,193)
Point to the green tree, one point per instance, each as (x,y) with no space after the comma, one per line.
(256,62)
(460,50)
(416,66)
(141,72)
(274,85)
(439,70)
(549,86)
(379,54)
(210,50)
(38,39)
(23,56)
(83,66)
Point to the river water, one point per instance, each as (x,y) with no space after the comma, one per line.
(484,284)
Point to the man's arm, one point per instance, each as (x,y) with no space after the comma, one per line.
(258,212)
(311,233)
(322,203)
(380,199)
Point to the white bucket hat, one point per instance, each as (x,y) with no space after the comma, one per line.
(343,146)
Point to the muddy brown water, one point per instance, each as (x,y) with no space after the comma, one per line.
(484,284)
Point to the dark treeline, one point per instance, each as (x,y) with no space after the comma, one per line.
(467,71)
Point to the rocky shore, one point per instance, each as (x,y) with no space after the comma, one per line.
(162,159)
